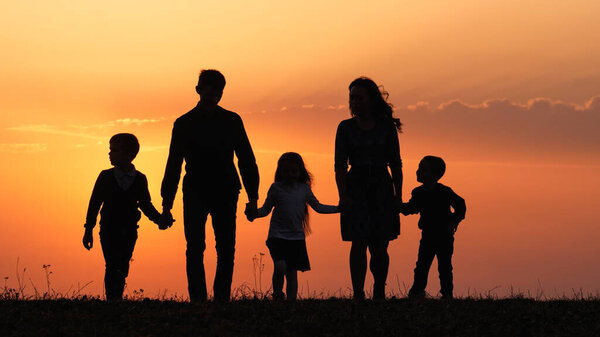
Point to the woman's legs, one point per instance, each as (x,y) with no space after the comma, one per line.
(279,271)
(379,265)
(358,267)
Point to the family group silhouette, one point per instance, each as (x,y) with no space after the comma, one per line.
(368,174)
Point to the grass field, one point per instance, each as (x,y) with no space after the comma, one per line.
(325,317)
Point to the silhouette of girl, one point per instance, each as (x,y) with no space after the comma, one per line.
(289,195)
(369,197)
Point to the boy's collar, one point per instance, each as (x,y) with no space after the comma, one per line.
(121,172)
(431,186)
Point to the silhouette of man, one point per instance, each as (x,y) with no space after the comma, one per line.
(207,137)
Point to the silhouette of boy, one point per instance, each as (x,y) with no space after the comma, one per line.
(120,191)
(438,224)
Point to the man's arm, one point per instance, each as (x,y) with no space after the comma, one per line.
(173,169)
(247,163)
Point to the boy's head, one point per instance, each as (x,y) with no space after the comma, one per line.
(210,87)
(123,149)
(431,169)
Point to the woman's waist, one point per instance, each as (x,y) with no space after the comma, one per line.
(377,169)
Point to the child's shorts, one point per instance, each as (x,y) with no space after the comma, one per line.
(293,252)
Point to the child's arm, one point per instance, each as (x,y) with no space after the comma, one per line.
(268,205)
(412,206)
(460,209)
(92,212)
(317,206)
(145,202)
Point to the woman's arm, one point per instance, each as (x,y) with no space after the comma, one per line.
(395,163)
(341,165)
(397,178)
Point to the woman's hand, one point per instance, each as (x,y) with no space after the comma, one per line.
(398,204)
(346,203)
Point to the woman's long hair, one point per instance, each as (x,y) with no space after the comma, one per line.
(381,108)
(305,177)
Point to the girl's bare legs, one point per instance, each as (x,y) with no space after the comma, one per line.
(358,268)
(291,291)
(279,271)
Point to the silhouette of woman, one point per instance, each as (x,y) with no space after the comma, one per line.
(369,197)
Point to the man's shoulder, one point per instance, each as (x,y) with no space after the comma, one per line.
(185,117)
(228,114)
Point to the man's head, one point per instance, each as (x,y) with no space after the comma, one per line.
(210,88)
(123,149)
(431,169)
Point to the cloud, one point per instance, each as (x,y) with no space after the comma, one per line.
(86,131)
(308,106)
(538,125)
(74,131)
(23,148)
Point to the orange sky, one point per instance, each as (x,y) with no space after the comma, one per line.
(506,91)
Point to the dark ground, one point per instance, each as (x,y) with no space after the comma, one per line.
(333,317)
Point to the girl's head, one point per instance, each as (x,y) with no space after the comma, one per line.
(291,169)
(366,97)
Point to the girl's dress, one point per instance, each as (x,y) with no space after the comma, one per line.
(369,152)
(286,239)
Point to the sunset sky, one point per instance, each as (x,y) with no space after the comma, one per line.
(507,92)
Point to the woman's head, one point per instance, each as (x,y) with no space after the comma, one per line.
(291,168)
(366,97)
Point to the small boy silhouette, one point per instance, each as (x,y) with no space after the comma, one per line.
(120,191)
(437,223)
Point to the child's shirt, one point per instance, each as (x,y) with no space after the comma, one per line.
(434,207)
(289,202)
(119,205)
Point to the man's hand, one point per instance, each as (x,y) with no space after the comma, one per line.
(250,210)
(88,239)
(166,220)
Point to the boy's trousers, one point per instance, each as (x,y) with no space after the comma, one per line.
(440,244)
(117,247)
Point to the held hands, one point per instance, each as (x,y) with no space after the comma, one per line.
(166,220)
(88,239)
(250,210)
(345,203)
